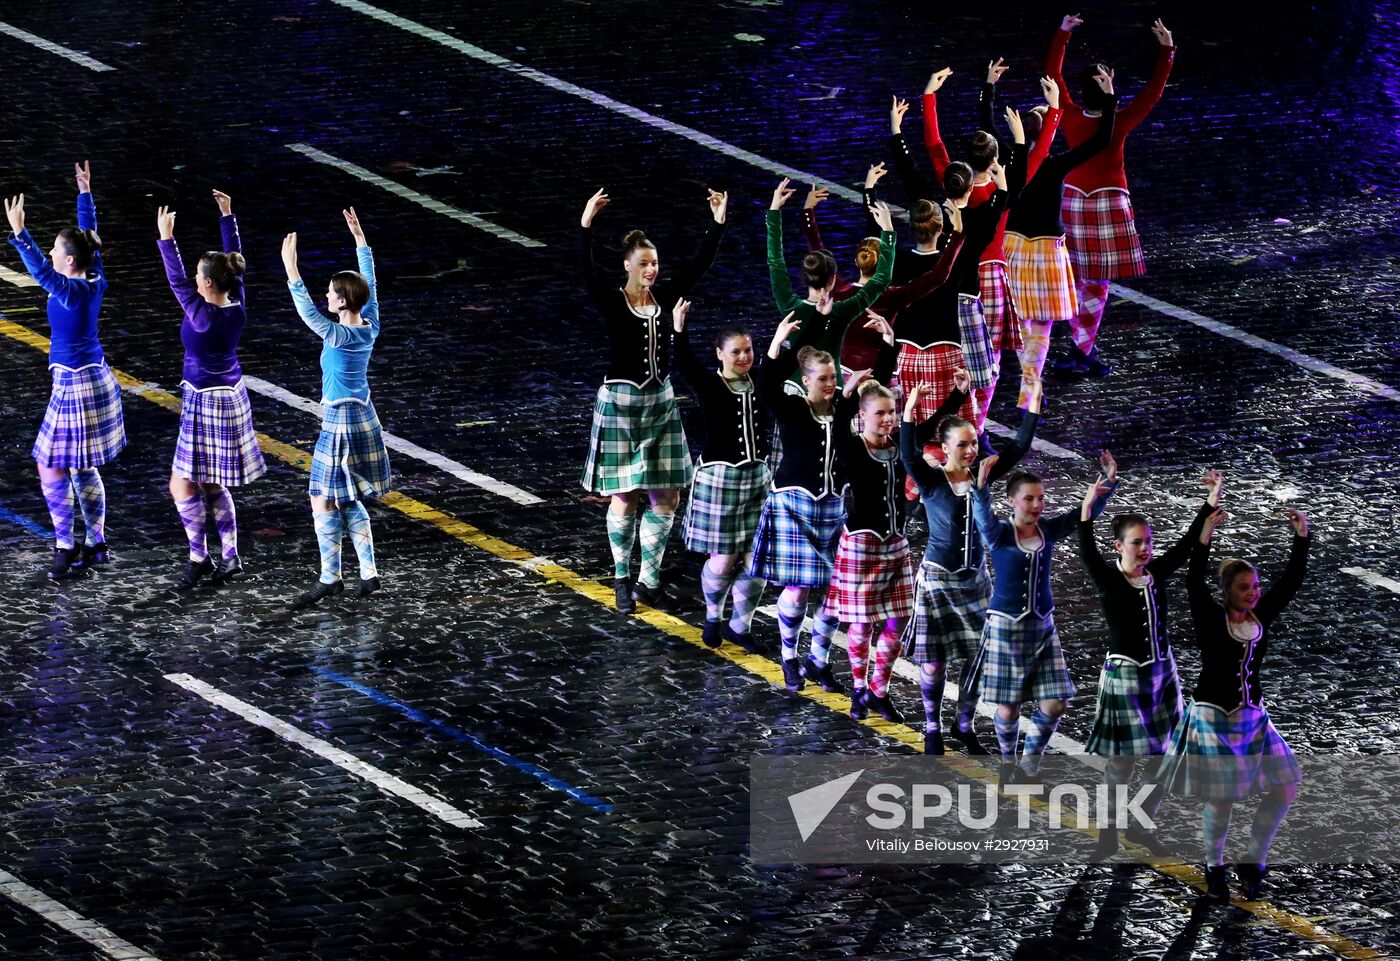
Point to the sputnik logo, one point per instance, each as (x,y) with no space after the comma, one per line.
(810,807)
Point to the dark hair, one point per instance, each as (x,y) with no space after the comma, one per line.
(1126,522)
(222,269)
(79,244)
(1018,479)
(948,424)
(957,179)
(818,267)
(809,356)
(927,220)
(1094,98)
(867,255)
(729,333)
(1033,121)
(635,240)
(982,151)
(351,285)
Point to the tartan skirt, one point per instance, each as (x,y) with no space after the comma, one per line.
(1042,278)
(1001,308)
(1219,756)
(351,462)
(637,441)
(873,579)
(725,504)
(1139,706)
(983,364)
(1103,238)
(950,610)
(83,425)
(933,366)
(1022,661)
(796,541)
(217,444)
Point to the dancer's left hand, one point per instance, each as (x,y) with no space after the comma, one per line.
(719,205)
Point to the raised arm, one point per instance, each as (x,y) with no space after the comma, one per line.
(872,177)
(783,295)
(1055,59)
(1177,555)
(325,328)
(845,311)
(1049,126)
(933,139)
(180,284)
(777,364)
(1203,606)
(690,273)
(916,185)
(68,291)
(593,282)
(897,298)
(810,229)
(1094,563)
(987,96)
(365,256)
(1060,166)
(1141,105)
(1278,595)
(927,429)
(689,366)
(988,524)
(1011,453)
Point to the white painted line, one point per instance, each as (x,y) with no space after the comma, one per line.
(17,278)
(1371,577)
(1044,446)
(405,447)
(81,59)
(380,779)
(909,671)
(69,920)
(423,200)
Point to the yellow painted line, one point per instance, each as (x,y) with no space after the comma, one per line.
(770,671)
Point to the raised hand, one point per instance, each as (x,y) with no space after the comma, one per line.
(1103,76)
(873,175)
(953,214)
(1050,90)
(984,469)
(854,381)
(1099,488)
(814,196)
(785,328)
(875,322)
(962,380)
(14,213)
(1215,486)
(165,223)
(1163,35)
(782,194)
(289,256)
(1109,466)
(719,205)
(935,82)
(998,173)
(898,108)
(1013,121)
(881,212)
(1298,519)
(911,403)
(225,203)
(825,302)
(1071,21)
(352,221)
(590,210)
(1213,520)
(678,313)
(82,173)
(995,68)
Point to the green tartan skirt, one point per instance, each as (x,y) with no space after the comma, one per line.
(637,441)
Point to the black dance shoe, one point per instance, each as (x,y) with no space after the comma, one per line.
(1251,879)
(1107,846)
(822,676)
(744,640)
(792,674)
(94,555)
(883,706)
(228,569)
(648,595)
(711,633)
(858,709)
(1144,838)
(968,739)
(1093,364)
(933,743)
(1217,887)
(318,591)
(622,595)
(195,571)
(367,586)
(65,563)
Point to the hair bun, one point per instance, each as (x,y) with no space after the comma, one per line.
(237,263)
(634,237)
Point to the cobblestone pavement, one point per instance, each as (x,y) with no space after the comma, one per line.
(1265,190)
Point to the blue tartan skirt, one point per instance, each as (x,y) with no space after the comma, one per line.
(983,364)
(1220,756)
(725,504)
(217,443)
(1022,661)
(83,425)
(351,462)
(796,541)
(1139,707)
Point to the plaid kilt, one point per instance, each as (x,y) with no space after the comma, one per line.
(1227,757)
(934,367)
(873,579)
(351,462)
(1022,661)
(217,444)
(637,441)
(83,425)
(1103,239)
(983,365)
(1042,277)
(999,306)
(950,610)
(1139,706)
(796,541)
(725,504)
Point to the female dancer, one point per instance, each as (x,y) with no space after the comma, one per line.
(637,442)
(83,427)
(1098,213)
(1226,748)
(953,588)
(873,581)
(217,448)
(351,464)
(795,546)
(1139,693)
(1020,657)
(1037,261)
(732,477)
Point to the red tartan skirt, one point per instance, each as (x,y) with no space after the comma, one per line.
(933,367)
(873,579)
(999,307)
(1103,239)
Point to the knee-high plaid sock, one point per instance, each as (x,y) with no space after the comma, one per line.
(744,597)
(886,653)
(967,694)
(824,628)
(1042,726)
(655,532)
(792,610)
(858,650)
(1035,335)
(622,534)
(714,586)
(59,497)
(931,693)
(1007,730)
(328,532)
(1117,772)
(220,503)
(1084,326)
(1267,820)
(92,501)
(1215,825)
(192,517)
(355,517)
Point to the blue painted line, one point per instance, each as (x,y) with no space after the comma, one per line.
(457,734)
(19,520)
